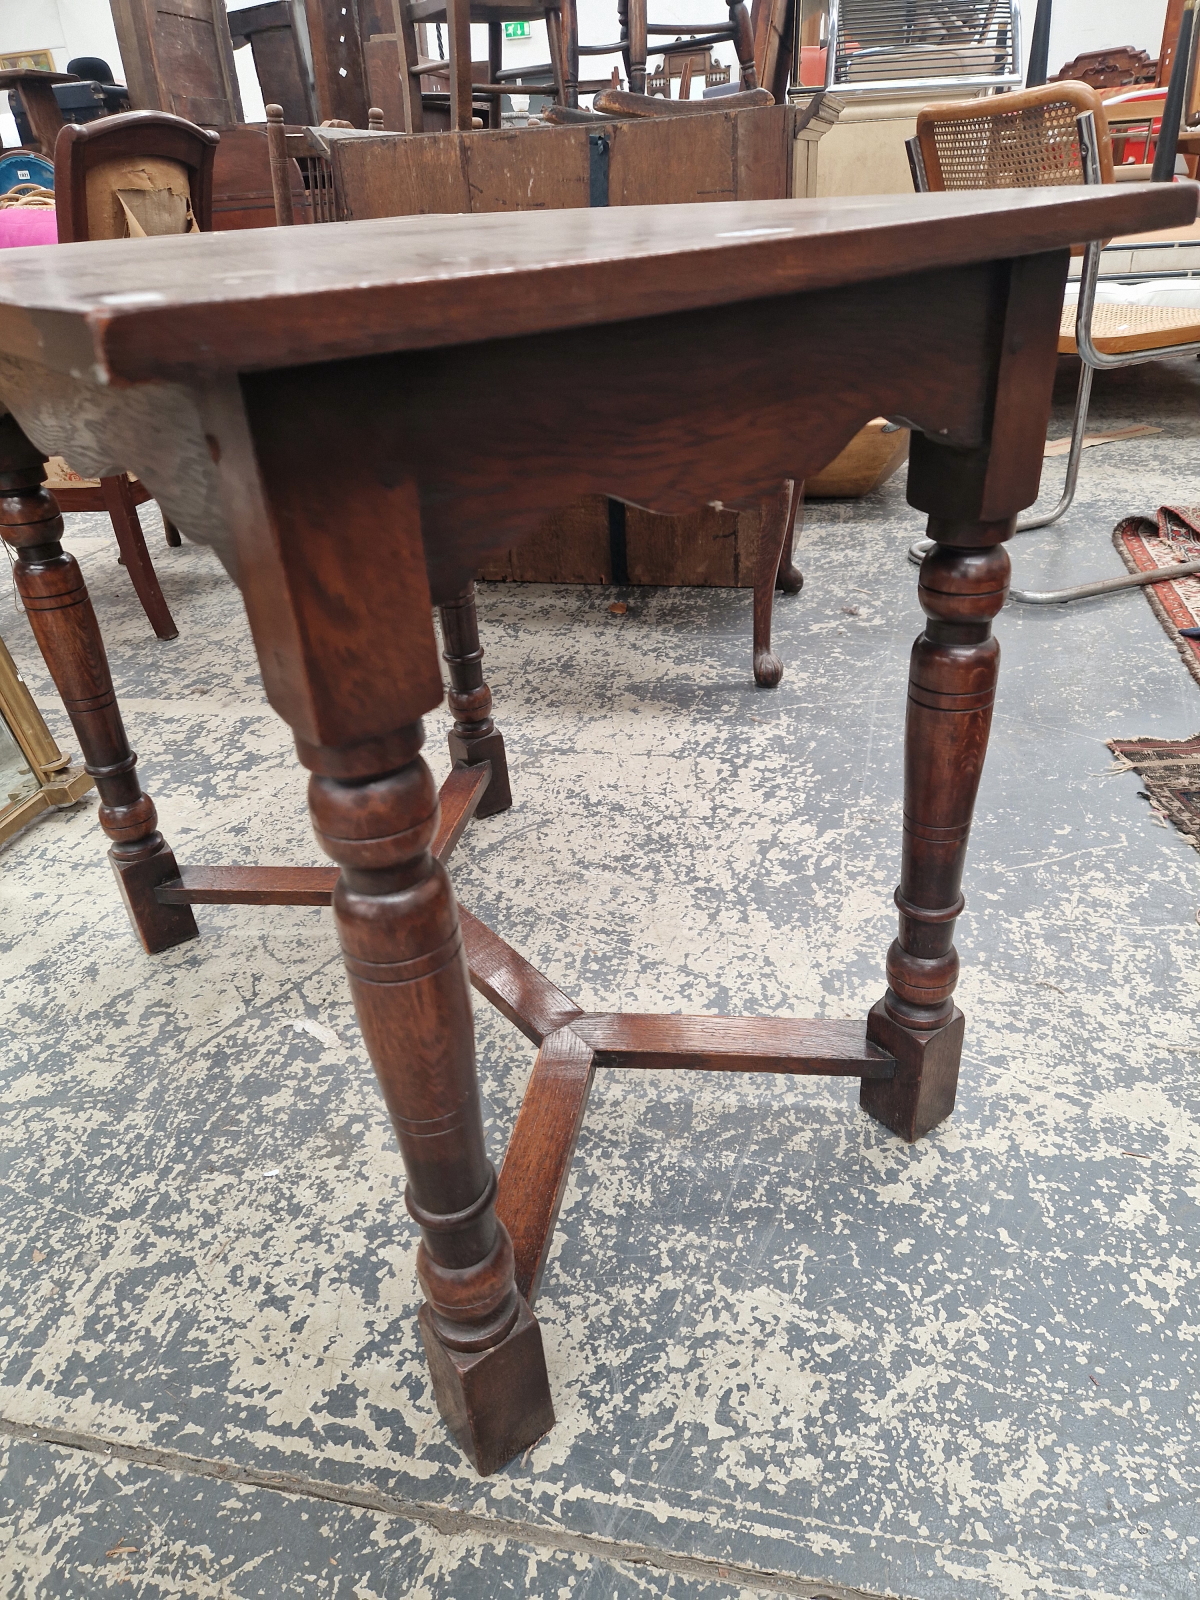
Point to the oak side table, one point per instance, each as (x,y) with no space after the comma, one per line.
(356,416)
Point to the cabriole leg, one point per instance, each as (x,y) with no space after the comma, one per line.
(952,685)
(474,737)
(398,924)
(64,625)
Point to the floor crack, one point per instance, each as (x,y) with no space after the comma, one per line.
(446,1520)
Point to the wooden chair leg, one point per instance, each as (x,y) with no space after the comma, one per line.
(170,532)
(951,688)
(458,29)
(789,577)
(398,924)
(775,525)
(410,84)
(118,500)
(64,625)
(474,736)
(562,30)
(743,43)
(636,55)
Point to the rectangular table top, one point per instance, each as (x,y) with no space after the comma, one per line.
(112,312)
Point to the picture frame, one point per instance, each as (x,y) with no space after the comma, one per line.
(35,776)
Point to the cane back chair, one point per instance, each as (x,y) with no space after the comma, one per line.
(1053,135)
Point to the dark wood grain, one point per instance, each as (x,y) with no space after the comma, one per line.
(121,505)
(512,984)
(814,1047)
(279,62)
(474,737)
(404,343)
(178,57)
(63,622)
(538,1161)
(35,89)
(458,800)
(775,526)
(398,926)
(234,301)
(339,73)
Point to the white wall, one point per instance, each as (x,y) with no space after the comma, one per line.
(1079,25)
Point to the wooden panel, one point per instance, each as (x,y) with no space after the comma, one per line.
(403,177)
(671,162)
(339,77)
(242,196)
(763,153)
(736,1044)
(706,547)
(518,170)
(538,1161)
(283,74)
(871,457)
(1170,38)
(572,547)
(382,59)
(178,57)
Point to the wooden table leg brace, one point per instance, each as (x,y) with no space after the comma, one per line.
(409,952)
(345,639)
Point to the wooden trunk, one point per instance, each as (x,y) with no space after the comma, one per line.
(739,155)
(602,541)
(763,153)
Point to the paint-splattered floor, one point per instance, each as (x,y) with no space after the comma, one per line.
(789,1354)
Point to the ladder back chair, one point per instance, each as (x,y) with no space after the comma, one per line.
(1050,136)
(637,32)
(139,173)
(464,92)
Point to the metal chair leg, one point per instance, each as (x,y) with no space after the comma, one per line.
(1083,397)
(1085,591)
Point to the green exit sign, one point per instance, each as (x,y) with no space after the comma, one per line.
(518,30)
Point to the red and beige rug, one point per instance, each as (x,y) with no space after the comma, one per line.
(1170,768)
(1172,536)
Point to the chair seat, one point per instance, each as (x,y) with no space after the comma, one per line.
(1120,328)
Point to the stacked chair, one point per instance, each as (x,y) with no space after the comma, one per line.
(1054,135)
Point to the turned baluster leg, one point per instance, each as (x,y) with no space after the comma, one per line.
(398,925)
(568,32)
(474,737)
(952,685)
(64,625)
(636,44)
(743,43)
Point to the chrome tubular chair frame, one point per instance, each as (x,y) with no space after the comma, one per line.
(1092,360)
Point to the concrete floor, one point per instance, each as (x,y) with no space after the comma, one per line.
(789,1354)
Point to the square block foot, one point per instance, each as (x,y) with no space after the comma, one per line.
(159,927)
(922,1093)
(497,796)
(495,1402)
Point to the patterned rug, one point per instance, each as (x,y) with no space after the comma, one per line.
(1171,770)
(1173,536)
